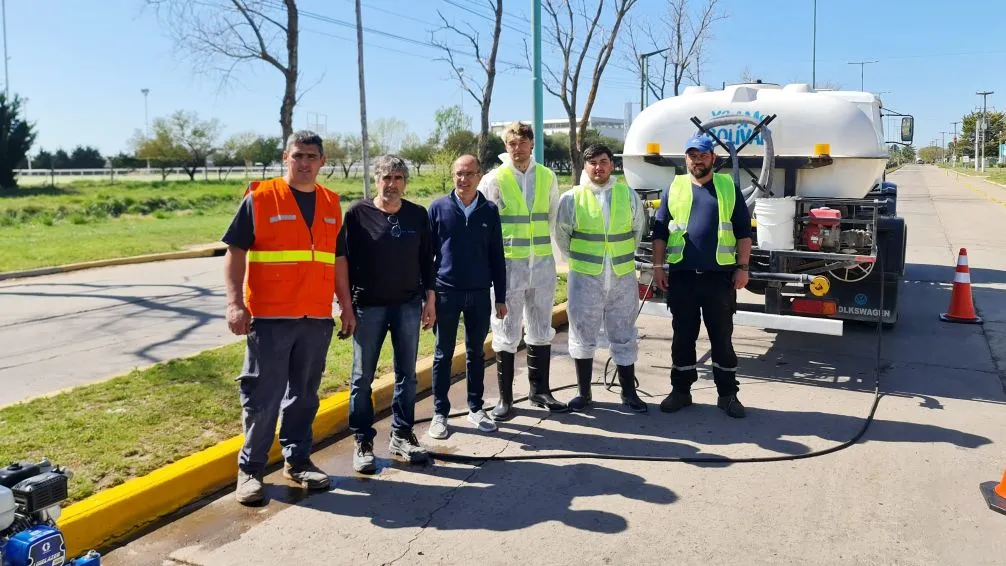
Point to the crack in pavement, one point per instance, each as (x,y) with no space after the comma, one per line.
(476,468)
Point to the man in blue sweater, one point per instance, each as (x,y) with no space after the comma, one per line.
(468,259)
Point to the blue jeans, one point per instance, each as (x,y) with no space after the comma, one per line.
(372,325)
(476,306)
(284,362)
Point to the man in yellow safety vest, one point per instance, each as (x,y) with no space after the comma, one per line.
(704,227)
(527,194)
(598,226)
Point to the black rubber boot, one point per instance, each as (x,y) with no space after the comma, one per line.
(538,360)
(627,380)
(584,373)
(504,377)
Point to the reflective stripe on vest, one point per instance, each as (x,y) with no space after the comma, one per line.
(291,268)
(679,204)
(525,230)
(591,242)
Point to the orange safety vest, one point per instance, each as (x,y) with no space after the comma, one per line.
(291,269)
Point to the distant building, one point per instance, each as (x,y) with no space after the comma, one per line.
(610,127)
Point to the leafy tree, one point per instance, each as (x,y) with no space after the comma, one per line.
(449,119)
(461,142)
(180,140)
(995,132)
(86,157)
(16,138)
(126,161)
(418,153)
(250,149)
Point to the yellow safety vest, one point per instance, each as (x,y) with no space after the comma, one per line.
(523,229)
(591,242)
(679,204)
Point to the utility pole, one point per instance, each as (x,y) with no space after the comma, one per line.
(984,95)
(6,77)
(955,142)
(538,95)
(943,148)
(644,69)
(813,68)
(363,102)
(146,120)
(861,65)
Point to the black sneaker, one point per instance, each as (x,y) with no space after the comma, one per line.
(405,445)
(731,406)
(675,402)
(363,457)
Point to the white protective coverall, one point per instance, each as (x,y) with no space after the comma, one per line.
(531,281)
(605,298)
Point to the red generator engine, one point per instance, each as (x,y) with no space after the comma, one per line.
(823,231)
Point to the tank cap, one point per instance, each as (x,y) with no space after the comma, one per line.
(653,148)
(822,149)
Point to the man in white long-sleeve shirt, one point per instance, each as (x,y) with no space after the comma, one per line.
(598,226)
(527,194)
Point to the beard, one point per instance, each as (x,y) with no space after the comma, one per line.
(700,171)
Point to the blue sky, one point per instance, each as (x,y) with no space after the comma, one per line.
(82,63)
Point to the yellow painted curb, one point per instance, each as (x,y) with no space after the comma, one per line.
(113,514)
(186,254)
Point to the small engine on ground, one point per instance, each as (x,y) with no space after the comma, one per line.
(30,498)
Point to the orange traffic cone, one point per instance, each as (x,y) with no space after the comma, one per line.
(962,305)
(995,495)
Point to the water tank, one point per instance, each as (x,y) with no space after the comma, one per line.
(849,122)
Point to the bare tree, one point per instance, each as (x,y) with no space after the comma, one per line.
(563,21)
(682,35)
(480,90)
(222,34)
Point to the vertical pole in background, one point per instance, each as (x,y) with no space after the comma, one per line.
(6,77)
(363,103)
(813,68)
(146,120)
(642,83)
(539,113)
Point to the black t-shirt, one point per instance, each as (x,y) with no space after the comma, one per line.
(241,233)
(390,255)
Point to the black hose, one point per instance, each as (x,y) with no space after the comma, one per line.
(462,458)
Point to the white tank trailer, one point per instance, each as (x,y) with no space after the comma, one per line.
(828,245)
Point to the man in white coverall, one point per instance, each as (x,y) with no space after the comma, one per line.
(527,194)
(598,226)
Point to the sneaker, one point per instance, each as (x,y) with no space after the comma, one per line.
(405,445)
(438,427)
(249,489)
(363,457)
(675,402)
(307,475)
(482,421)
(731,406)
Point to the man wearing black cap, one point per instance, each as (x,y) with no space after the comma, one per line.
(703,229)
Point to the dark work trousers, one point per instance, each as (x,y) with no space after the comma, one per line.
(476,306)
(284,362)
(693,297)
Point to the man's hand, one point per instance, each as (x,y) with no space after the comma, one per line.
(740,278)
(429,314)
(660,278)
(238,318)
(348,320)
(500,310)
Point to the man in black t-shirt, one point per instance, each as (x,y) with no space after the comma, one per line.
(384,281)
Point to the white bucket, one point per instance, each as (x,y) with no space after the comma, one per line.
(775,218)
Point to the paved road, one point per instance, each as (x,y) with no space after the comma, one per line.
(70,329)
(907,493)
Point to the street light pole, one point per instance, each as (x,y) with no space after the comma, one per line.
(644,70)
(6,77)
(984,126)
(813,68)
(146,120)
(861,64)
(954,124)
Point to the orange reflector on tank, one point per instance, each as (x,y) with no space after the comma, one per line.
(822,149)
(814,306)
(653,148)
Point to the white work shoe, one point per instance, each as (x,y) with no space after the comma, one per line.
(438,427)
(482,421)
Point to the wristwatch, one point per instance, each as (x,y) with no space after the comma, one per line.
(742,266)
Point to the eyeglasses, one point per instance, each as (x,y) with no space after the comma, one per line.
(396,229)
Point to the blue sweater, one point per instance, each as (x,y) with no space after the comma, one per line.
(468,252)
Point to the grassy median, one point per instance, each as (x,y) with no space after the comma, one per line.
(126,427)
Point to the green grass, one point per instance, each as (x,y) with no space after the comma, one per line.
(110,432)
(92,220)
